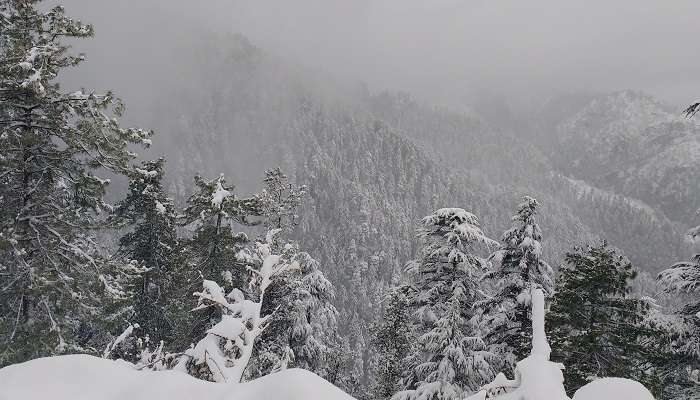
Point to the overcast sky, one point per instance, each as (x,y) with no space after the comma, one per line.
(437,49)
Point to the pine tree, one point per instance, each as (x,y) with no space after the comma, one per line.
(149,215)
(54,286)
(223,355)
(213,251)
(455,359)
(303,322)
(596,327)
(280,201)
(392,341)
(682,280)
(518,268)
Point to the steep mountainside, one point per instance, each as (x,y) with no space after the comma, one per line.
(374,165)
(629,143)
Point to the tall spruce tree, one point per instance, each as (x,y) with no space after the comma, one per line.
(682,280)
(596,327)
(455,360)
(518,267)
(303,325)
(149,216)
(54,286)
(280,201)
(212,252)
(392,340)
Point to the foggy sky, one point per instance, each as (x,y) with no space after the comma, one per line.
(443,50)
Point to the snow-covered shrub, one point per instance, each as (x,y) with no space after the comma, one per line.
(224,353)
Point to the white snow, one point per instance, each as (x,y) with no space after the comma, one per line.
(83,377)
(160,207)
(536,378)
(219,195)
(613,389)
(540,346)
(147,174)
(124,335)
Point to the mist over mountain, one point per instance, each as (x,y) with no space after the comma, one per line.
(380,114)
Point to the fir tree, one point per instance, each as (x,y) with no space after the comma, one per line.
(280,201)
(212,252)
(303,321)
(54,287)
(150,241)
(596,327)
(518,268)
(455,359)
(682,280)
(392,340)
(225,351)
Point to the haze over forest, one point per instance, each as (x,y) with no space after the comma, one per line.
(451,51)
(351,199)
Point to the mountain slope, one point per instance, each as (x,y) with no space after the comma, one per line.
(375,165)
(629,143)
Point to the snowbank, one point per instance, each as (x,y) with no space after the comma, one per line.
(613,389)
(82,377)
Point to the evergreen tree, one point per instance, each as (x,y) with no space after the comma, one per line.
(150,241)
(212,252)
(455,360)
(392,341)
(518,268)
(682,280)
(303,321)
(223,355)
(280,201)
(596,327)
(54,286)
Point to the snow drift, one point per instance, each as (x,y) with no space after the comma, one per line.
(82,377)
(613,389)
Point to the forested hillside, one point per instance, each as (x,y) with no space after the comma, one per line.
(632,144)
(374,165)
(281,217)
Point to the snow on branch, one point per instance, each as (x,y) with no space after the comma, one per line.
(228,346)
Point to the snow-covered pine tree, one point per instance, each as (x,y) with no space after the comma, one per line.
(314,320)
(212,252)
(595,326)
(212,210)
(455,360)
(53,285)
(393,342)
(303,325)
(517,268)
(303,322)
(149,216)
(226,350)
(280,201)
(682,280)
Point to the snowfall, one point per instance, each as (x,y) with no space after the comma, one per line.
(83,377)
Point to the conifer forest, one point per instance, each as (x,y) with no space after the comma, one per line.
(349,200)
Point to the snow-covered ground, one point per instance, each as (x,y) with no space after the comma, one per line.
(613,389)
(82,377)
